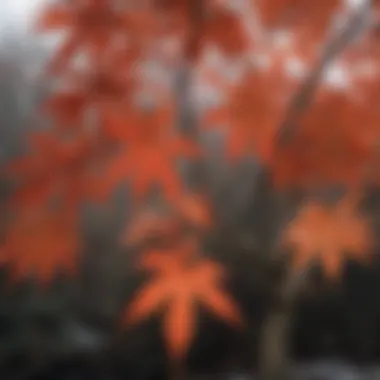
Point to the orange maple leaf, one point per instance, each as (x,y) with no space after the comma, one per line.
(328,234)
(180,284)
(41,243)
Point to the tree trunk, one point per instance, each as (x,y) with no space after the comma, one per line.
(274,349)
(274,358)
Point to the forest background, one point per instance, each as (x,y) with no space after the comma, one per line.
(275,104)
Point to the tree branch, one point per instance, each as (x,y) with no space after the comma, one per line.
(304,96)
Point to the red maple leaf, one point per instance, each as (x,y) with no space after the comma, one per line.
(179,284)
(149,148)
(194,210)
(224,29)
(314,13)
(56,169)
(41,242)
(252,115)
(105,89)
(148,225)
(201,23)
(93,26)
(329,147)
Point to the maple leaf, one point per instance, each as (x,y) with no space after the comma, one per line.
(316,14)
(141,126)
(175,17)
(171,5)
(41,243)
(252,115)
(225,30)
(149,225)
(67,108)
(55,169)
(329,147)
(299,28)
(195,210)
(105,89)
(309,163)
(92,26)
(180,285)
(147,155)
(201,23)
(328,234)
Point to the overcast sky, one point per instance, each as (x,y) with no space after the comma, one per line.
(18,14)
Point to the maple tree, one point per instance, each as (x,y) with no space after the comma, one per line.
(299,84)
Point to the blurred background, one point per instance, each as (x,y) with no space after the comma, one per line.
(67,331)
